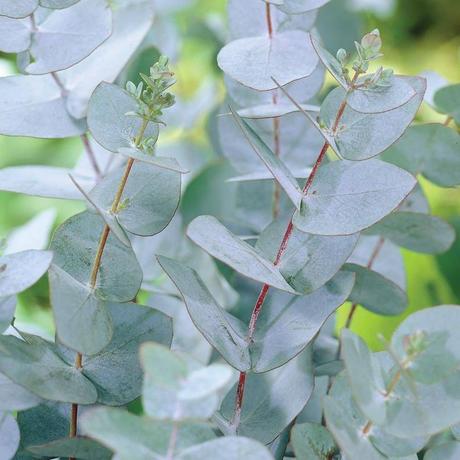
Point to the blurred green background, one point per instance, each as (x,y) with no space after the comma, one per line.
(418,35)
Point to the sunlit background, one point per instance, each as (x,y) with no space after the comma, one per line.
(418,35)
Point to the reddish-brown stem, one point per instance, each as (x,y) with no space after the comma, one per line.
(287,234)
(239,399)
(268,15)
(92,158)
(263,293)
(74,412)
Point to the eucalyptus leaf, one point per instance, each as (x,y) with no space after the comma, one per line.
(214,238)
(397,91)
(330,62)
(384,257)
(18,8)
(300,6)
(79,30)
(272,399)
(119,276)
(43,181)
(303,90)
(7,309)
(42,424)
(365,98)
(277,168)
(447,100)
(82,320)
(346,423)
(77,447)
(224,334)
(347,197)
(14,397)
(266,351)
(416,231)
(15,34)
(34,234)
(299,147)
(107,216)
(32,105)
(115,371)
(36,366)
(367,379)
(253,62)
(308,260)
(430,374)
(227,448)
(187,338)
(21,270)
(375,292)
(9,435)
(448,451)
(274,110)
(162,162)
(174,391)
(132,20)
(434,82)
(438,356)
(249,19)
(139,438)
(276,341)
(360,136)
(109,120)
(311,441)
(57,4)
(431,150)
(149,200)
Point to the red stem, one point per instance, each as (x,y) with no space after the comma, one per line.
(268,15)
(287,234)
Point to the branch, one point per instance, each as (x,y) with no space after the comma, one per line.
(287,234)
(98,259)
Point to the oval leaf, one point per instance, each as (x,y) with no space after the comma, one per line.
(32,105)
(416,231)
(36,366)
(254,61)
(214,238)
(21,270)
(347,197)
(78,30)
(109,120)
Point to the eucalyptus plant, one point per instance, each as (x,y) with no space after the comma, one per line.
(222,344)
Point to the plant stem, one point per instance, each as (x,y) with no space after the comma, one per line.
(390,388)
(98,259)
(92,158)
(448,120)
(83,137)
(268,15)
(287,234)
